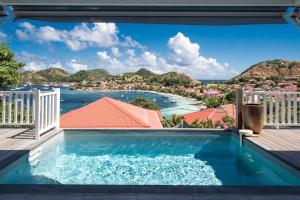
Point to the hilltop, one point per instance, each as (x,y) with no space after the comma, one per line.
(89,75)
(46,75)
(96,75)
(274,69)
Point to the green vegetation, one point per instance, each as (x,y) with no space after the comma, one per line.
(170,79)
(174,121)
(276,79)
(13,113)
(89,75)
(175,79)
(229,121)
(213,102)
(145,73)
(230,96)
(145,103)
(10,68)
(276,70)
(203,124)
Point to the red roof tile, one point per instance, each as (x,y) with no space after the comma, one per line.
(213,114)
(110,113)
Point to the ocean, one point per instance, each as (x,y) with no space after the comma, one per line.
(168,104)
(71,99)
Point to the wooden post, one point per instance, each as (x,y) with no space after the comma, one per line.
(57,112)
(37,115)
(239,108)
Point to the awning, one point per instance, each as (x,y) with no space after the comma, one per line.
(206,15)
(207,12)
(296,16)
(2,13)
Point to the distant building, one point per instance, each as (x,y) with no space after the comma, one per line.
(211,92)
(110,113)
(214,114)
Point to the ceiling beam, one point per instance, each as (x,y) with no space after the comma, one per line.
(157,2)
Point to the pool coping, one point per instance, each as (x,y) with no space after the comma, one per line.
(148,189)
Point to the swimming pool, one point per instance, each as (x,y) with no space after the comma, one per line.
(148,158)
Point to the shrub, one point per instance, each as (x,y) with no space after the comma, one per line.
(145,103)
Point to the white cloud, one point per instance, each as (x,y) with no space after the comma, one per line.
(185,57)
(126,53)
(185,52)
(130,52)
(116,52)
(80,37)
(35,62)
(3,36)
(149,59)
(76,66)
(57,65)
(129,42)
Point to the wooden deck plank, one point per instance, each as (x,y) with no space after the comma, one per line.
(282,143)
(15,140)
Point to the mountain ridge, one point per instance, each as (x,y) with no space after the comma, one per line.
(270,69)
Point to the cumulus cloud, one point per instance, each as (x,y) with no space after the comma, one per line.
(35,62)
(3,36)
(124,53)
(116,52)
(76,66)
(80,37)
(129,42)
(185,56)
(130,52)
(185,52)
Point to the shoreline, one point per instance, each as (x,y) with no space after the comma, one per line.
(170,95)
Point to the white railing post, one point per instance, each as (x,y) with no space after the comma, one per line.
(239,107)
(37,115)
(280,108)
(3,108)
(57,111)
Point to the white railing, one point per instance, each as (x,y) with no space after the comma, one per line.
(280,108)
(37,109)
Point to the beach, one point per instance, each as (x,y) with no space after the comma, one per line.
(169,103)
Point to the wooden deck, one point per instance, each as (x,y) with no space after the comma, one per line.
(15,142)
(282,143)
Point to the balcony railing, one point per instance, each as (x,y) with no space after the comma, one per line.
(37,109)
(281,109)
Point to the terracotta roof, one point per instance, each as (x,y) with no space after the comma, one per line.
(213,114)
(110,113)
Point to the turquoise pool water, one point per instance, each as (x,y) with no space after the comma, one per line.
(148,158)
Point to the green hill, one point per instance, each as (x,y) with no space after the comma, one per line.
(274,69)
(176,78)
(46,75)
(142,75)
(89,75)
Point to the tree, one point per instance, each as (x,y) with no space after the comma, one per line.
(10,68)
(174,121)
(230,97)
(145,103)
(213,102)
(203,124)
(229,121)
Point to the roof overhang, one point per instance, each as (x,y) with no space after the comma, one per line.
(206,12)
(2,12)
(296,16)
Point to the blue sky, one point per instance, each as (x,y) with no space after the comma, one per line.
(203,52)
